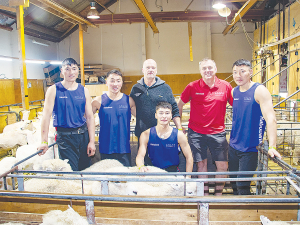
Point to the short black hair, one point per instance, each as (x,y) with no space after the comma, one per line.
(69,61)
(164,105)
(115,72)
(242,62)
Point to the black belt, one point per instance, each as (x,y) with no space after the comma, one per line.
(79,130)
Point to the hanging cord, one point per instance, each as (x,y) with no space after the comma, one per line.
(296,52)
(246,34)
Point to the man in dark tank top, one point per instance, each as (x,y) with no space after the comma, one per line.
(70,105)
(252,112)
(162,143)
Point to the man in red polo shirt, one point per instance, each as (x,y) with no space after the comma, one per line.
(209,97)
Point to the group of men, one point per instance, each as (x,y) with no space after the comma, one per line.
(152,102)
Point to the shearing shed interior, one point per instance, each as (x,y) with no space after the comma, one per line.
(36,36)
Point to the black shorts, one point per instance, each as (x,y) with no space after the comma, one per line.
(216,143)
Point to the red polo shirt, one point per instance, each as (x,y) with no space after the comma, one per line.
(208,105)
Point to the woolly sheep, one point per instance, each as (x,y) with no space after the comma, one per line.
(34,162)
(103,165)
(57,165)
(12,139)
(68,217)
(21,125)
(5,165)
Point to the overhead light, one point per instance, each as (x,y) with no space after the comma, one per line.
(5,59)
(93,13)
(56,62)
(39,43)
(35,61)
(224,12)
(217,4)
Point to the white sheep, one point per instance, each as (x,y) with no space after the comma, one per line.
(5,165)
(103,165)
(34,162)
(68,217)
(56,165)
(12,139)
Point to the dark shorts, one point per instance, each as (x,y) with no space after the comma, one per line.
(125,158)
(72,145)
(216,143)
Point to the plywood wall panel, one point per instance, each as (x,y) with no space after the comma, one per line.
(272,70)
(294,77)
(272,28)
(7,92)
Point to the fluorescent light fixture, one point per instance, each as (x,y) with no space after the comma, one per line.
(93,13)
(35,61)
(56,62)
(5,59)
(39,43)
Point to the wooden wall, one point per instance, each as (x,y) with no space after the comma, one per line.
(272,32)
(176,81)
(10,90)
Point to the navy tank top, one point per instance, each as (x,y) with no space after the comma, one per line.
(163,152)
(69,107)
(248,124)
(114,136)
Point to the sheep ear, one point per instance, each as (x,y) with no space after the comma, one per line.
(66,160)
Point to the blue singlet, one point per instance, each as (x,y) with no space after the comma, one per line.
(248,124)
(163,152)
(114,136)
(69,107)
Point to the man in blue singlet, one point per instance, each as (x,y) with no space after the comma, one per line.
(115,110)
(162,143)
(70,105)
(252,112)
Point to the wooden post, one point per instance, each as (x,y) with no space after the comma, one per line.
(23,73)
(190,40)
(81,54)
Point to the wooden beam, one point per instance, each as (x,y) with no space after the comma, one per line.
(29,18)
(67,12)
(190,41)
(242,11)
(52,11)
(6,27)
(6,8)
(103,6)
(146,15)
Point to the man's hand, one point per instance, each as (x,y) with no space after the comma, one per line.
(43,147)
(184,130)
(272,152)
(143,169)
(91,149)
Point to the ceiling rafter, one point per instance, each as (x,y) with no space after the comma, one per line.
(242,11)
(6,27)
(67,12)
(52,11)
(6,8)
(178,16)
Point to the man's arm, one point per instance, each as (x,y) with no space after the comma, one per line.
(96,103)
(90,121)
(132,106)
(186,150)
(264,99)
(180,107)
(144,138)
(47,112)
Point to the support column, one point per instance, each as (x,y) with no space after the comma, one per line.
(23,72)
(81,52)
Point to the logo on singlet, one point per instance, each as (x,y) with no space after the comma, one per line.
(137,94)
(107,107)
(199,93)
(170,145)
(123,107)
(236,99)
(247,99)
(63,97)
(78,97)
(154,144)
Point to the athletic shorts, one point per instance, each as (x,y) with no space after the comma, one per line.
(216,143)
(124,158)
